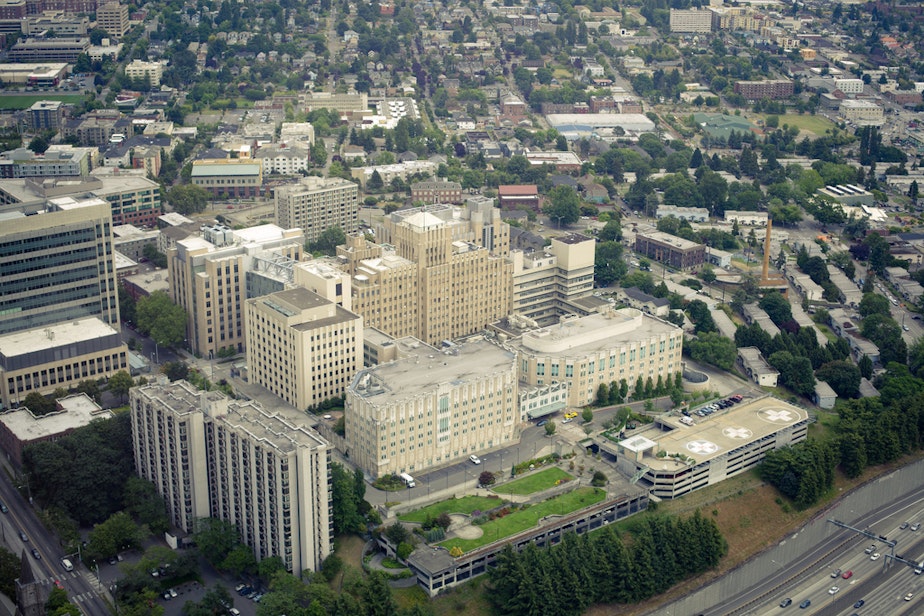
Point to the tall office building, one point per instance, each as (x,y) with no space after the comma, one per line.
(545,281)
(302,347)
(447,276)
(113,18)
(265,471)
(317,204)
(432,407)
(211,277)
(56,263)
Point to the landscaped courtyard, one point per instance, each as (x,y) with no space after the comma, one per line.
(543,480)
(518,521)
(464,505)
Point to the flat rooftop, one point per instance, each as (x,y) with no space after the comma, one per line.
(423,369)
(595,332)
(299,298)
(670,240)
(79,411)
(717,434)
(49,337)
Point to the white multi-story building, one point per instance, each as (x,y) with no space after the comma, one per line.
(862,112)
(283,159)
(139,69)
(316,204)
(302,347)
(692,20)
(543,282)
(432,407)
(265,471)
(849,86)
(609,347)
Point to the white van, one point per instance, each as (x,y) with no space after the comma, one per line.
(407,479)
(67,564)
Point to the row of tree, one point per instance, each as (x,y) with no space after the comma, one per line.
(803,472)
(602,567)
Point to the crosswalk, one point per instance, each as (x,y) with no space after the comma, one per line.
(62,580)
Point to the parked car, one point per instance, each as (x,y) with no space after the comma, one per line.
(23,537)
(475,459)
(173,594)
(542,423)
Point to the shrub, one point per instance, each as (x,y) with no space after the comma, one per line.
(404,550)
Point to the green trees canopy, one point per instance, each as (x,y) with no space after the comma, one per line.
(803,472)
(188,198)
(328,241)
(163,320)
(843,377)
(564,205)
(712,348)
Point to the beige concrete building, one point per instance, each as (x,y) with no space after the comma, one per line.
(691,20)
(113,18)
(862,112)
(212,276)
(56,356)
(544,281)
(609,347)
(317,204)
(56,263)
(139,69)
(432,408)
(444,276)
(302,347)
(265,471)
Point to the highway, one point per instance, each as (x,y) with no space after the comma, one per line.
(809,554)
(80,584)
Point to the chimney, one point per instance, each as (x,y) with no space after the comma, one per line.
(766,272)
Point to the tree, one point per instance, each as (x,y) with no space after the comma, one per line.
(10,568)
(328,241)
(345,504)
(215,539)
(777,308)
(39,404)
(874,303)
(145,505)
(713,348)
(163,320)
(587,414)
(188,198)
(377,597)
(58,604)
(913,192)
(239,560)
(842,376)
(550,428)
(795,372)
(38,144)
(117,533)
(120,383)
(486,478)
(865,366)
(564,205)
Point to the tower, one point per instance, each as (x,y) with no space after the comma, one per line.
(30,595)
(768,283)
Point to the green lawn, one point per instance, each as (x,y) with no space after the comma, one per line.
(24,101)
(466,505)
(813,123)
(543,480)
(500,528)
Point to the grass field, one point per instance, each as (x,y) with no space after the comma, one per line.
(543,480)
(24,101)
(466,505)
(528,518)
(814,124)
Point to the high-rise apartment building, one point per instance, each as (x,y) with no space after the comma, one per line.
(317,204)
(210,277)
(432,407)
(45,115)
(265,471)
(543,282)
(302,347)
(610,347)
(56,263)
(691,20)
(141,70)
(462,278)
(768,88)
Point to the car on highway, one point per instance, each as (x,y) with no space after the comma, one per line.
(874,556)
(475,459)
(903,526)
(835,573)
(23,536)
(909,596)
(834,590)
(786,602)
(805,604)
(916,526)
(859,604)
(847,574)
(3,508)
(36,555)
(870,549)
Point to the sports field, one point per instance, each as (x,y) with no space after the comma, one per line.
(24,101)
(815,124)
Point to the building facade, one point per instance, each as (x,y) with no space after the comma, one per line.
(56,263)
(862,112)
(316,204)
(46,115)
(229,178)
(49,50)
(769,88)
(265,471)
(432,408)
(113,18)
(56,356)
(140,70)
(691,21)
(209,278)
(450,274)
(608,348)
(670,249)
(436,192)
(544,281)
(302,347)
